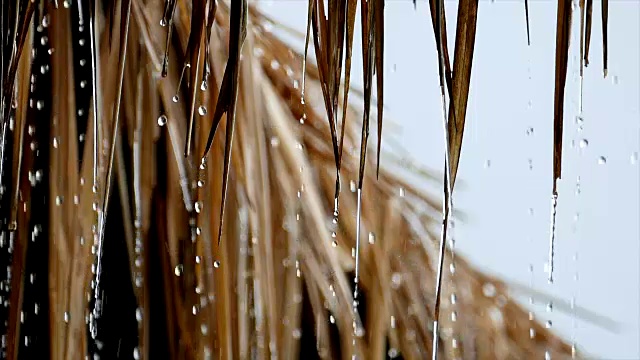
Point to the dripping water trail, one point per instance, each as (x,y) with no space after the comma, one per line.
(447,186)
(95,88)
(552,237)
(116,117)
(356,278)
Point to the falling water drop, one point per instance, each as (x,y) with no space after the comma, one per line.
(175,98)
(548,324)
(162,120)
(487,164)
(583,143)
(372,238)
(216,264)
(202,110)
(634,158)
(602,160)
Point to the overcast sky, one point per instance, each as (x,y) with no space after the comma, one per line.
(509,121)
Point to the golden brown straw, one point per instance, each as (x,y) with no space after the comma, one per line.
(232,257)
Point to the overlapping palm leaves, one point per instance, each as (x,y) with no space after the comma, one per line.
(162,177)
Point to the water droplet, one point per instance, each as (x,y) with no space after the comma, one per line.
(66,4)
(216,264)
(44,40)
(200,183)
(202,110)
(296,333)
(547,355)
(204,329)
(548,324)
(372,238)
(393,353)
(352,186)
(139,314)
(579,120)
(136,353)
(583,143)
(175,98)
(453,299)
(198,206)
(39,104)
(178,270)
(550,307)
(530,131)
(332,319)
(162,120)
(66,317)
(487,164)
(45,21)
(83,62)
(275,141)
(615,79)
(396,280)
(454,316)
(602,160)
(275,65)
(489,290)
(634,158)
(83,84)
(334,243)
(81,42)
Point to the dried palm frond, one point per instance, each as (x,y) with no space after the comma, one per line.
(236,257)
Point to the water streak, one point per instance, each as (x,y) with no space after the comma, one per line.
(552,237)
(102,218)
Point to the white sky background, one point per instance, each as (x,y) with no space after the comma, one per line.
(496,189)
